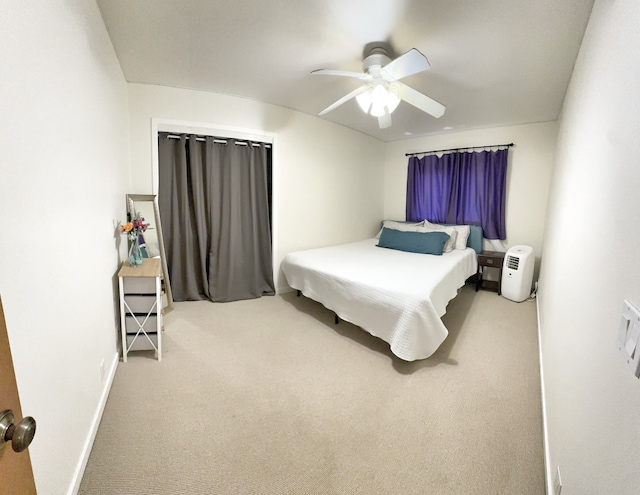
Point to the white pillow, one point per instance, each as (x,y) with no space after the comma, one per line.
(462,230)
(401,226)
(463,236)
(451,231)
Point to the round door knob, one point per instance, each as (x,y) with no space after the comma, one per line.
(19,435)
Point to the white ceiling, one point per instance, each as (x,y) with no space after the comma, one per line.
(493,62)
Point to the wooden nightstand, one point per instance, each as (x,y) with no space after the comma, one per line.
(489,259)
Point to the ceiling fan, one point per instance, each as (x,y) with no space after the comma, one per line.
(382,90)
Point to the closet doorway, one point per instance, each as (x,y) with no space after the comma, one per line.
(215,198)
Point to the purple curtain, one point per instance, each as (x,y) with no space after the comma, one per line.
(461,188)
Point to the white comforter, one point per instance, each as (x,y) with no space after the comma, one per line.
(394,295)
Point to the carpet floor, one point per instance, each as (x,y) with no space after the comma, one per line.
(269,396)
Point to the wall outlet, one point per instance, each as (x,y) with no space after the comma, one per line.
(629,336)
(102,370)
(534,291)
(557,483)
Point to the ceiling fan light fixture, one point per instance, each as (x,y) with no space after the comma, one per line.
(393,100)
(377,110)
(374,100)
(364,100)
(379,95)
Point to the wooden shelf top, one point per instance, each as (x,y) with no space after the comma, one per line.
(150,268)
(493,254)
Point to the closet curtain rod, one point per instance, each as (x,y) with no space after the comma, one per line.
(459,149)
(221,141)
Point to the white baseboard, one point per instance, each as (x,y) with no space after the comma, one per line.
(545,432)
(86,451)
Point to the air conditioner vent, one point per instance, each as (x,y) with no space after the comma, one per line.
(512,262)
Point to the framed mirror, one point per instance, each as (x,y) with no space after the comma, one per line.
(147,206)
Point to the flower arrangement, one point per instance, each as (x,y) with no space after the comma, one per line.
(133,229)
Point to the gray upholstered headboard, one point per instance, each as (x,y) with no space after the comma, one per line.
(475,238)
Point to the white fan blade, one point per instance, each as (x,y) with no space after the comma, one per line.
(346,73)
(405,65)
(420,101)
(345,98)
(384,121)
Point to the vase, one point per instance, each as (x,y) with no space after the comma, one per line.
(135,254)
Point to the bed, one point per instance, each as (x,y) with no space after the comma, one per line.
(395,295)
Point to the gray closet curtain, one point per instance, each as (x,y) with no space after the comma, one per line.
(215,205)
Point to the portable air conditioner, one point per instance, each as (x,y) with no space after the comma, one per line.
(517,273)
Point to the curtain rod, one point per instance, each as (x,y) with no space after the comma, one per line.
(221,141)
(459,149)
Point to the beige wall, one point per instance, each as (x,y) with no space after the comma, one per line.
(528,175)
(67,164)
(332,184)
(64,141)
(327,179)
(592,262)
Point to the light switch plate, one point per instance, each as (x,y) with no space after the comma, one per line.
(629,336)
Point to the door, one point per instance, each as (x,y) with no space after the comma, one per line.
(16,476)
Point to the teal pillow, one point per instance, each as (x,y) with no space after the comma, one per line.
(413,242)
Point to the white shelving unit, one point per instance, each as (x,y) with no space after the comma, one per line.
(141,307)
